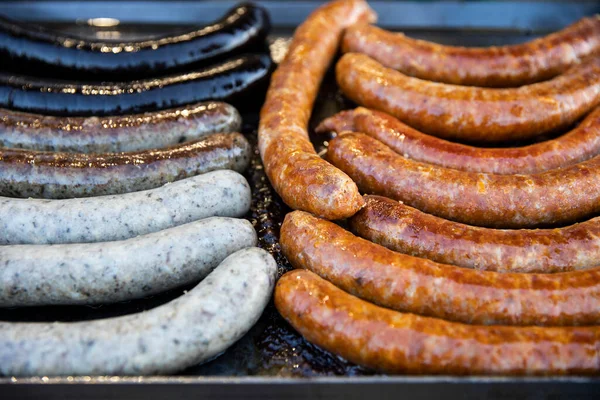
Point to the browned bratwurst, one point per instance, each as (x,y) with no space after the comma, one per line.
(503,66)
(578,145)
(421,286)
(558,196)
(151,130)
(28,173)
(396,342)
(410,231)
(302,179)
(472,114)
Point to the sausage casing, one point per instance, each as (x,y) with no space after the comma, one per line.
(421,286)
(395,342)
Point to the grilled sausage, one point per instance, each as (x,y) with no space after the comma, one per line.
(191,329)
(44,52)
(410,231)
(302,179)
(108,272)
(504,66)
(396,342)
(106,218)
(558,196)
(27,173)
(231,81)
(119,133)
(421,286)
(472,114)
(580,144)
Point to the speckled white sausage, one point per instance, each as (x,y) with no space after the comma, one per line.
(105,218)
(115,134)
(107,272)
(191,329)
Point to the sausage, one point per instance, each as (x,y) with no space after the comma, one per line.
(107,218)
(503,66)
(405,283)
(108,272)
(579,144)
(472,114)
(191,329)
(558,196)
(407,230)
(395,342)
(302,179)
(232,81)
(37,51)
(28,173)
(117,133)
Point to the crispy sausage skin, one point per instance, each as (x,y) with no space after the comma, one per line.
(503,66)
(302,179)
(410,231)
(579,144)
(421,286)
(553,197)
(41,174)
(397,342)
(472,114)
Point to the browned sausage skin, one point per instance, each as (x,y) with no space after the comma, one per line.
(472,114)
(577,145)
(396,342)
(558,196)
(503,66)
(408,230)
(302,179)
(421,286)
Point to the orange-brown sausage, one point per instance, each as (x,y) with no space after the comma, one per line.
(472,113)
(408,230)
(302,179)
(503,66)
(558,196)
(396,342)
(580,144)
(421,286)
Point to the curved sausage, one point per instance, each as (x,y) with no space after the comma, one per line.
(117,133)
(302,179)
(191,329)
(232,81)
(108,272)
(27,173)
(577,145)
(221,193)
(503,66)
(410,231)
(421,286)
(37,51)
(395,342)
(558,196)
(472,114)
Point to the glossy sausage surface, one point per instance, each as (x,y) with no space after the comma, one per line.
(579,144)
(558,196)
(41,52)
(472,114)
(27,173)
(501,66)
(302,179)
(410,231)
(396,342)
(405,283)
(151,130)
(231,81)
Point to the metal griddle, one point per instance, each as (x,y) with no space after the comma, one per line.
(272,360)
